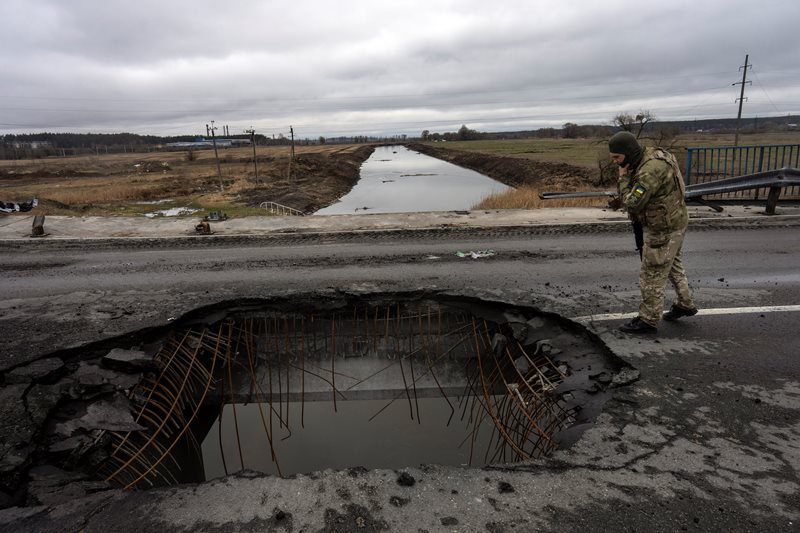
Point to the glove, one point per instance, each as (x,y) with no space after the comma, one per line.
(615,202)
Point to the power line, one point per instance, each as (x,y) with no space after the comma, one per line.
(765,92)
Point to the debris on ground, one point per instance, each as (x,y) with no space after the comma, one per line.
(478,254)
(215,216)
(10,207)
(203,228)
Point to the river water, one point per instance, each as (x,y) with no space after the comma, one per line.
(397,180)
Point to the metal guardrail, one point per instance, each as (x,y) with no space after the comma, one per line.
(280,209)
(774,180)
(711,164)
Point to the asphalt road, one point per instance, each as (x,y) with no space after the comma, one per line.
(706,440)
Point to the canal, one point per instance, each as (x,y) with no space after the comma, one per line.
(397,180)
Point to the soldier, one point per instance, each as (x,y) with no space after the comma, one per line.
(651,190)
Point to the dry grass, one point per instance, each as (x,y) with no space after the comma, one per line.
(527,197)
(117,183)
(96,193)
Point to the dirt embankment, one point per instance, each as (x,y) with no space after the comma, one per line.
(514,171)
(317,180)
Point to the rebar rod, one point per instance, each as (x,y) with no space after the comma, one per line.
(152,437)
(333,361)
(175,441)
(233,402)
(219,425)
(249,353)
(303,374)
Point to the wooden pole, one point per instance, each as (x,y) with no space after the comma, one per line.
(216,156)
(252,133)
(741,97)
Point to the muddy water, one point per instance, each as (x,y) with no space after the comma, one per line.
(349,436)
(397,180)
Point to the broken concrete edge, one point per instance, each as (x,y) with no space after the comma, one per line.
(295,234)
(97,397)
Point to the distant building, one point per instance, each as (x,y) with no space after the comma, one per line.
(31,144)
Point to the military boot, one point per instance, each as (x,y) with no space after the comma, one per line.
(677,312)
(637,325)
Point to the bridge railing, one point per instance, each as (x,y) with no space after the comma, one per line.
(280,209)
(711,164)
(773,181)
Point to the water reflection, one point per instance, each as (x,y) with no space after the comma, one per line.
(350,436)
(397,180)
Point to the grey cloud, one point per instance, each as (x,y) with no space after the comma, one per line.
(391,67)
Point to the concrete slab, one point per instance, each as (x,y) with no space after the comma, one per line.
(62,227)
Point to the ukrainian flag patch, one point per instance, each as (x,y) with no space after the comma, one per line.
(639,191)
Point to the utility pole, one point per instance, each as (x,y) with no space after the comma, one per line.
(252,133)
(291,157)
(741,98)
(216,156)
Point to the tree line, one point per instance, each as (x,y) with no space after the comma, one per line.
(29,145)
(644,122)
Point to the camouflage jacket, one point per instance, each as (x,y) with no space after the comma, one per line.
(654,194)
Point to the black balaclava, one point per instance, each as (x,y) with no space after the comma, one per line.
(625,143)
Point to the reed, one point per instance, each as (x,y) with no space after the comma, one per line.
(527,197)
(97,195)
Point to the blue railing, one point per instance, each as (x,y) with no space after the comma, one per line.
(708,164)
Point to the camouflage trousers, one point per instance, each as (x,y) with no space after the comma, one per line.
(662,262)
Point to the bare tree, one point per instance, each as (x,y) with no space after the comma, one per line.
(634,123)
(570,130)
(665,136)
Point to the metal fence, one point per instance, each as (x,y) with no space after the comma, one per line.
(709,164)
(280,209)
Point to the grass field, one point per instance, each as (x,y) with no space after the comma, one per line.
(586,152)
(581,152)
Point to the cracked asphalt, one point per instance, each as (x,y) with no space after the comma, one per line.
(708,439)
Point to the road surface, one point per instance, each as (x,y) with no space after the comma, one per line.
(706,440)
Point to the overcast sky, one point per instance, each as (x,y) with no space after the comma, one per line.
(347,67)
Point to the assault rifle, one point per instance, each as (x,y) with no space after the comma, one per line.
(638,229)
